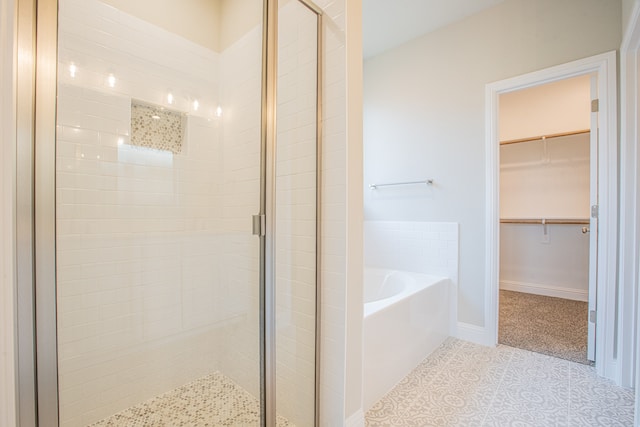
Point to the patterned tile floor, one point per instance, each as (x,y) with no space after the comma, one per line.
(464,384)
(213,400)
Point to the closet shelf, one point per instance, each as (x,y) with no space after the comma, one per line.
(532,164)
(544,221)
(543,137)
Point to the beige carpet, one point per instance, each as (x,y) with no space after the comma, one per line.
(553,326)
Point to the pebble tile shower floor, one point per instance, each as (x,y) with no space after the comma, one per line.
(464,384)
(213,400)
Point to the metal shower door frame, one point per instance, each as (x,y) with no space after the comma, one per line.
(267,207)
(35,210)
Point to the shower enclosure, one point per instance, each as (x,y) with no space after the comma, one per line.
(175,204)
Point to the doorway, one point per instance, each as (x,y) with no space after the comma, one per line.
(603,68)
(548,182)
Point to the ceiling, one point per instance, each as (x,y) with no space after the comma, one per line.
(387,24)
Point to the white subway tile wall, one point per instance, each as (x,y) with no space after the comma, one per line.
(295,238)
(157,267)
(422,247)
(240,90)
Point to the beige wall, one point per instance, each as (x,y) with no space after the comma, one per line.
(355,216)
(214,24)
(627,8)
(552,108)
(549,179)
(195,20)
(425,111)
(240,16)
(7,217)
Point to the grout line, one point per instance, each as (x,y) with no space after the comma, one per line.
(493,398)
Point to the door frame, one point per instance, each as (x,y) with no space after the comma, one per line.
(604,65)
(630,203)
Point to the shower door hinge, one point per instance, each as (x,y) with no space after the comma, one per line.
(592,316)
(595,105)
(594,211)
(259,225)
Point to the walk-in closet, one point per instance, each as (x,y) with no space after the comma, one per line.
(545,209)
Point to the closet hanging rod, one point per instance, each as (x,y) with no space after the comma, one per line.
(536,138)
(427,182)
(544,221)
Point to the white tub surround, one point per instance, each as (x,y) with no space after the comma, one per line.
(406,317)
(421,247)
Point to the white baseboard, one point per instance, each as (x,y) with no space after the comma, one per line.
(355,420)
(474,334)
(546,290)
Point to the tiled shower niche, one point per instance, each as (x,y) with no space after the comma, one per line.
(156,127)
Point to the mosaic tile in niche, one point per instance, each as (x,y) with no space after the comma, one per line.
(156,127)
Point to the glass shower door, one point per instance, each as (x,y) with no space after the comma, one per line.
(157,177)
(296,210)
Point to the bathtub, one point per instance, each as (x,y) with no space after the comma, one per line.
(406,317)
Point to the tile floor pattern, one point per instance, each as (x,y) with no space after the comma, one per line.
(464,384)
(214,400)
